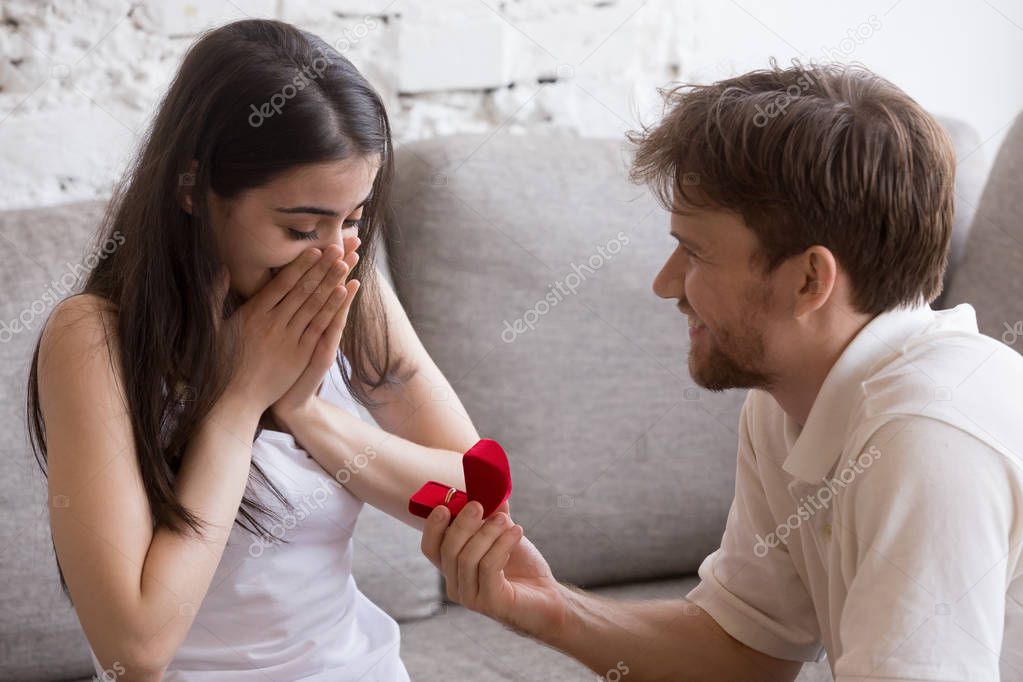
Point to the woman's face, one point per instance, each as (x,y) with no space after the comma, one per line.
(264,229)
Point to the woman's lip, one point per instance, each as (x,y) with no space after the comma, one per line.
(274,271)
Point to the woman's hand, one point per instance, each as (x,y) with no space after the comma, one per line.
(301,394)
(491,568)
(282,325)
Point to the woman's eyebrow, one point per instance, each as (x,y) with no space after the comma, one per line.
(316,210)
(308,209)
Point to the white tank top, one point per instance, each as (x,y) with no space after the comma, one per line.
(291,611)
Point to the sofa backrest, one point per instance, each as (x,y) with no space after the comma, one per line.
(525,264)
(990,276)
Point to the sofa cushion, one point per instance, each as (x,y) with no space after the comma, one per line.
(990,277)
(461,645)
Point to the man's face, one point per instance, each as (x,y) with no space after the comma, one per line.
(727,299)
(266,228)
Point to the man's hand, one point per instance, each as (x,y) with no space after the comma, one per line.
(491,568)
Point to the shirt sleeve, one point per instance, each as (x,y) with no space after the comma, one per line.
(927,551)
(752,591)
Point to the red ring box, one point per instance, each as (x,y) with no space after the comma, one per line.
(487,480)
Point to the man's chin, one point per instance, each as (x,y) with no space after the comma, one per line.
(720,373)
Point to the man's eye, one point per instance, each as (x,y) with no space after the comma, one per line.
(686,250)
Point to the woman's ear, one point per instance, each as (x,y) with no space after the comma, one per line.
(186,182)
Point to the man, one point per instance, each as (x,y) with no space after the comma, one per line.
(878,511)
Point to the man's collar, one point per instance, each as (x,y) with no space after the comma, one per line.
(821,440)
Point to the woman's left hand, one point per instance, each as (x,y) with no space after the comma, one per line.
(303,392)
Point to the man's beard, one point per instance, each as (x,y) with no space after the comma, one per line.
(734,359)
(731,361)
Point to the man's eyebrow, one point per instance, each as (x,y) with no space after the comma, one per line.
(682,240)
(316,210)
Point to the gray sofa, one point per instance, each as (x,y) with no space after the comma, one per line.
(525,264)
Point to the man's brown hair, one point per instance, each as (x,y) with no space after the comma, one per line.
(822,154)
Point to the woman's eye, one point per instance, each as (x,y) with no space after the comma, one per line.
(311,234)
(299,234)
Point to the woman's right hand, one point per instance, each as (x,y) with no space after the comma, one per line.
(280,325)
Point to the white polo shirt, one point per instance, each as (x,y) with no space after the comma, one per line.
(887,531)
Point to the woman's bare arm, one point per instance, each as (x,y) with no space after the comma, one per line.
(424,429)
(136,590)
(424,409)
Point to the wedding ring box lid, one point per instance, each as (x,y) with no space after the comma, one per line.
(487,481)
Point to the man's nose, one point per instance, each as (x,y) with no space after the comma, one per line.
(670,281)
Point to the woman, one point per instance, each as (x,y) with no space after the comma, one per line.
(203,532)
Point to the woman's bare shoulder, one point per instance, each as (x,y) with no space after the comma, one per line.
(77,323)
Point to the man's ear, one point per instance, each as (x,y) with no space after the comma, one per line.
(817,272)
(186,183)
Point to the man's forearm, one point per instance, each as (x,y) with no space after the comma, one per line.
(377,467)
(649,641)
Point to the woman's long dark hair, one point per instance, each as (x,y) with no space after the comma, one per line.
(220,111)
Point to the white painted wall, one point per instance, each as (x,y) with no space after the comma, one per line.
(79,80)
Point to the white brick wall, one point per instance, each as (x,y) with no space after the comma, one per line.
(79,79)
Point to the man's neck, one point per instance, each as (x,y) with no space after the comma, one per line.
(808,364)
